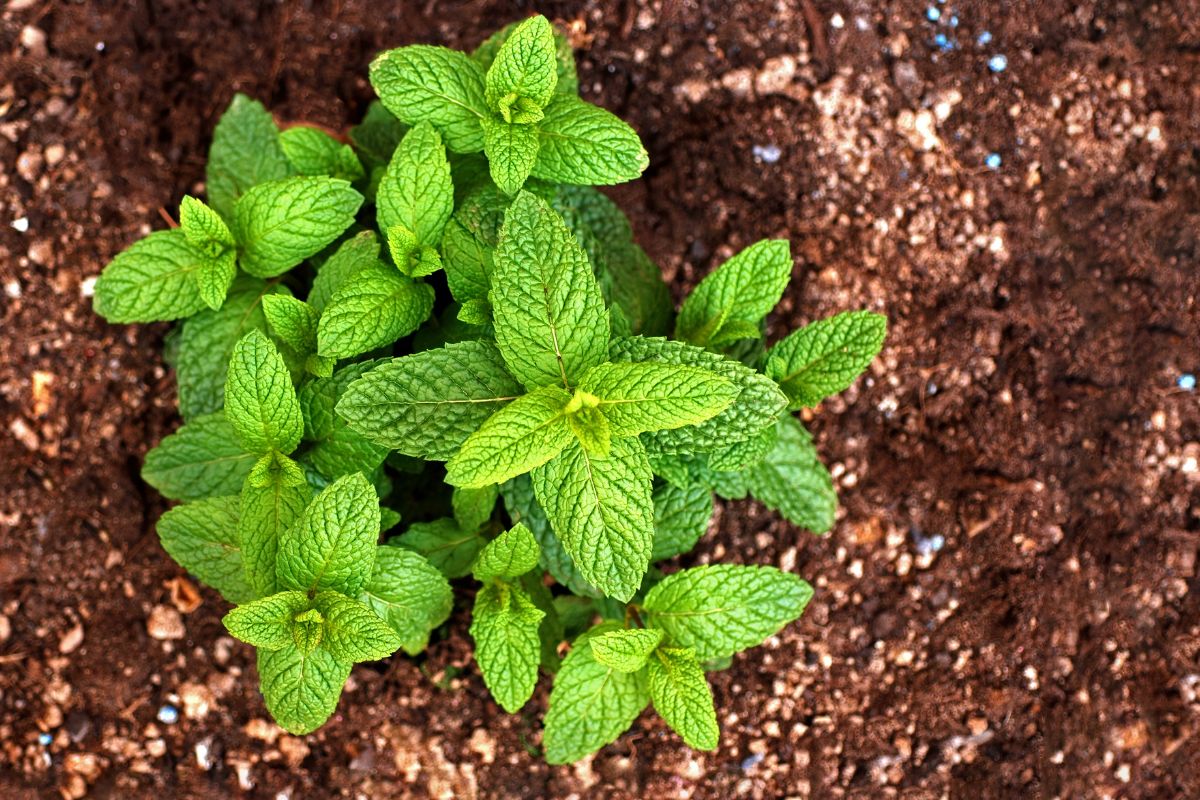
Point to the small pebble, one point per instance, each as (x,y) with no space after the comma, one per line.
(993,161)
(752,761)
(985,38)
(998,63)
(20,224)
(44,739)
(928,545)
(943,42)
(168,715)
(768,154)
(837,21)
(933,13)
(954,21)
(1186,381)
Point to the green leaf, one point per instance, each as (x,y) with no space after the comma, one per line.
(427,404)
(523,507)
(443,544)
(625,650)
(378,135)
(522,435)
(470,241)
(308,630)
(267,623)
(154,279)
(473,507)
(201,459)
(584,144)
(268,511)
(281,223)
(275,467)
(681,517)
(682,697)
(214,278)
(551,324)
(204,228)
(825,357)
(353,631)
(409,594)
(314,152)
(744,454)
(301,690)
(260,402)
(444,87)
(416,190)
(636,398)
(351,257)
(293,321)
(510,555)
(602,512)
(592,430)
(567,81)
(375,309)
(550,629)
(793,481)
(504,625)
(202,538)
(744,289)
(590,704)
(723,609)
(524,67)
(511,150)
(332,547)
(245,152)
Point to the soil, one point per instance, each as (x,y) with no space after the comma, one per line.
(1008,605)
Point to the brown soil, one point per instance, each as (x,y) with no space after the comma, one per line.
(1025,408)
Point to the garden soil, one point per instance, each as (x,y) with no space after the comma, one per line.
(1009,603)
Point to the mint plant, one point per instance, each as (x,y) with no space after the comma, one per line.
(429,351)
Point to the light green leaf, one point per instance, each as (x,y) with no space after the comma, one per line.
(202,538)
(267,513)
(275,467)
(745,288)
(592,430)
(602,512)
(522,435)
(154,279)
(636,398)
(427,404)
(523,507)
(682,697)
(825,357)
(260,402)
(584,144)
(525,67)
(214,278)
(204,228)
(352,256)
(470,241)
(722,609)
(681,517)
(744,454)
(245,152)
(301,690)
(201,459)
(504,625)
(267,623)
(416,190)
(333,545)
(473,507)
(590,704)
(308,630)
(353,631)
(375,309)
(443,544)
(510,555)
(567,82)
(409,594)
(444,87)
(512,151)
(792,480)
(550,320)
(625,650)
(281,223)
(293,321)
(315,152)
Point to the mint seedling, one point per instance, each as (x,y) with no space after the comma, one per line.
(358,431)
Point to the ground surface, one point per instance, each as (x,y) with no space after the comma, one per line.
(1025,414)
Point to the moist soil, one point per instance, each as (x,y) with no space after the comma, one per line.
(1008,604)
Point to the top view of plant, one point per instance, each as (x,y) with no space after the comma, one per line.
(431,352)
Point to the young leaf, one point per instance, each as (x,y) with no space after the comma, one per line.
(590,704)
(512,150)
(245,152)
(508,556)
(260,402)
(200,459)
(416,190)
(268,511)
(202,538)
(352,256)
(421,83)
(567,82)
(743,289)
(602,513)
(427,404)
(353,631)
(301,690)
(375,309)
(592,430)
(409,594)
(825,357)
(332,547)
(281,223)
(443,544)
(682,697)
(267,623)
(551,324)
(154,279)
(636,398)
(314,152)
(293,321)
(525,67)
(681,517)
(792,480)
(722,609)
(214,278)
(504,625)
(204,228)
(522,435)
(625,650)
(473,507)
(584,144)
